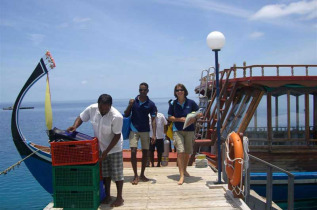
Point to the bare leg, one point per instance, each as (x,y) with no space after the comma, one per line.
(134,165)
(152,158)
(186,163)
(119,200)
(148,159)
(107,183)
(144,161)
(180,161)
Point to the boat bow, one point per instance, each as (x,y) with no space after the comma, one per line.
(39,164)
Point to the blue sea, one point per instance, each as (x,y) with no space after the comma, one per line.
(19,190)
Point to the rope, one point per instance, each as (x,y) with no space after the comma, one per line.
(17,164)
(246,152)
(246,162)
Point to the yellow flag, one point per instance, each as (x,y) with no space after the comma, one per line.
(48,106)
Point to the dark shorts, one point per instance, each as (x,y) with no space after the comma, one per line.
(159,144)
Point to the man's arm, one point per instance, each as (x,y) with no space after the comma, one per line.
(153,128)
(171,114)
(77,123)
(113,143)
(127,111)
(174,119)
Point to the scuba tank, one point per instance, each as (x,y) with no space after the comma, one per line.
(165,153)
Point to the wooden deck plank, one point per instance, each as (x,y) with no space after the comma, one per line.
(162,191)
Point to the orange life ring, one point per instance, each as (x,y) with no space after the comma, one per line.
(234,168)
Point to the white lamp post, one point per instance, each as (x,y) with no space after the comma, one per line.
(216,40)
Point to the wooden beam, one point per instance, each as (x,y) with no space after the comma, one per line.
(228,102)
(257,96)
(256,119)
(288,115)
(240,112)
(315,114)
(297,112)
(307,117)
(276,113)
(234,107)
(269,118)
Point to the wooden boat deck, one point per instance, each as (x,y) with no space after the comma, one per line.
(162,191)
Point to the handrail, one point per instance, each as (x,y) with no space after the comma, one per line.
(250,68)
(204,80)
(248,71)
(279,128)
(269,184)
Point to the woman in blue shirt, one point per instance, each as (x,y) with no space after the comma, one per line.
(183,138)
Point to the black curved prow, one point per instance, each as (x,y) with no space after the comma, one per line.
(18,137)
(39,163)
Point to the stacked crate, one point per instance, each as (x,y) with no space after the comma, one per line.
(76,174)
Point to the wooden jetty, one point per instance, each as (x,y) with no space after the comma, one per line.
(162,192)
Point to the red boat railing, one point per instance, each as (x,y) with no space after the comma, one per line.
(275,70)
(267,71)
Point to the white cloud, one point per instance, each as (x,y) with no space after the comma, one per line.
(256,35)
(208,5)
(37,39)
(305,9)
(84,82)
(81,20)
(181,38)
(4,22)
(63,25)
(81,23)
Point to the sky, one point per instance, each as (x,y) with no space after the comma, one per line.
(112,46)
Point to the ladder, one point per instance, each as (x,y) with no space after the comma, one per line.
(206,80)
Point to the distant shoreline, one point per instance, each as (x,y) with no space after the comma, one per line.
(23,107)
(94,100)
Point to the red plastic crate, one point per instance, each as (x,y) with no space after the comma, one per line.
(75,152)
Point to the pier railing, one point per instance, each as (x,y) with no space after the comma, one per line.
(269,184)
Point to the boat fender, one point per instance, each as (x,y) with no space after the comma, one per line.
(166,152)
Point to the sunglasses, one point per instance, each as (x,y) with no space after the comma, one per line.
(143,90)
(179,90)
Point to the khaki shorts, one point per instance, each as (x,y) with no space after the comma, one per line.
(135,136)
(183,141)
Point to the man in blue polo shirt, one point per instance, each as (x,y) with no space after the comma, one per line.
(140,107)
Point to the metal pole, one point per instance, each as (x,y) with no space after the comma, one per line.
(269,188)
(218,116)
(290,197)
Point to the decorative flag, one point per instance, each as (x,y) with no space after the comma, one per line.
(48,106)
